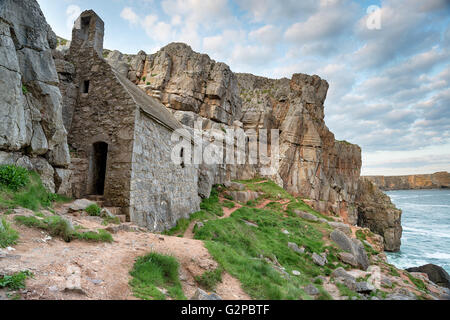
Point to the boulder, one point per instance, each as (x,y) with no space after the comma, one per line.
(234,186)
(244,196)
(353,246)
(348,258)
(435,273)
(62,182)
(311,290)
(80,205)
(306,215)
(202,295)
(296,248)
(364,287)
(345,228)
(319,260)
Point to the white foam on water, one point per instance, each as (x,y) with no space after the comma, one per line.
(438,255)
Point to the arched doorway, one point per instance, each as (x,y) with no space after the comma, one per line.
(100,157)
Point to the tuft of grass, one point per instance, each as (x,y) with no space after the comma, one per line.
(59,227)
(8,236)
(210,279)
(100,236)
(13,177)
(93,210)
(110,220)
(15,281)
(156,271)
(24,189)
(24,89)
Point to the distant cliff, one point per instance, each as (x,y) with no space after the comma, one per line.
(421,181)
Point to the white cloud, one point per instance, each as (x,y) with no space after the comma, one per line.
(129,15)
(267,35)
(72,13)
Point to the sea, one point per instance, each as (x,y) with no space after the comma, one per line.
(426,228)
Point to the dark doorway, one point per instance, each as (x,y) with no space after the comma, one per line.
(99,172)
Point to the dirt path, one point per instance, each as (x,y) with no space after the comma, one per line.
(101,271)
(227,212)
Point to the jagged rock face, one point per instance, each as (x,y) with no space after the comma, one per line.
(185,80)
(376,212)
(31,103)
(313,164)
(419,181)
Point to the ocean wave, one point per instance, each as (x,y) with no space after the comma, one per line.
(438,255)
(427,233)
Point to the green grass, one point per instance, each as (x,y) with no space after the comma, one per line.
(100,236)
(110,220)
(212,204)
(210,279)
(15,281)
(156,271)
(8,236)
(13,177)
(93,210)
(344,291)
(211,209)
(228,204)
(59,227)
(237,248)
(270,189)
(417,282)
(25,190)
(393,271)
(298,204)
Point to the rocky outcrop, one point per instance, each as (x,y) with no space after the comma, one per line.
(31,126)
(421,181)
(313,164)
(379,214)
(184,80)
(435,273)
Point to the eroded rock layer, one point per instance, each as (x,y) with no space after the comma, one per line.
(420,181)
(32,133)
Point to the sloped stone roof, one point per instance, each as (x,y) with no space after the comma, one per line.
(152,107)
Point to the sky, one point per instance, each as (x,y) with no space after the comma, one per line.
(387,62)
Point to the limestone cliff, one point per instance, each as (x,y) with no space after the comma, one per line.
(313,165)
(32,132)
(379,214)
(421,181)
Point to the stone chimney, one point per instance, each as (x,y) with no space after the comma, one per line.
(88,33)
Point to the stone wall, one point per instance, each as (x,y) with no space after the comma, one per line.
(419,181)
(161,192)
(32,132)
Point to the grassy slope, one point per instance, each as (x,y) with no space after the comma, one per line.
(249,253)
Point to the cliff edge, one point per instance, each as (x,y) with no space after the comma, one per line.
(438,180)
